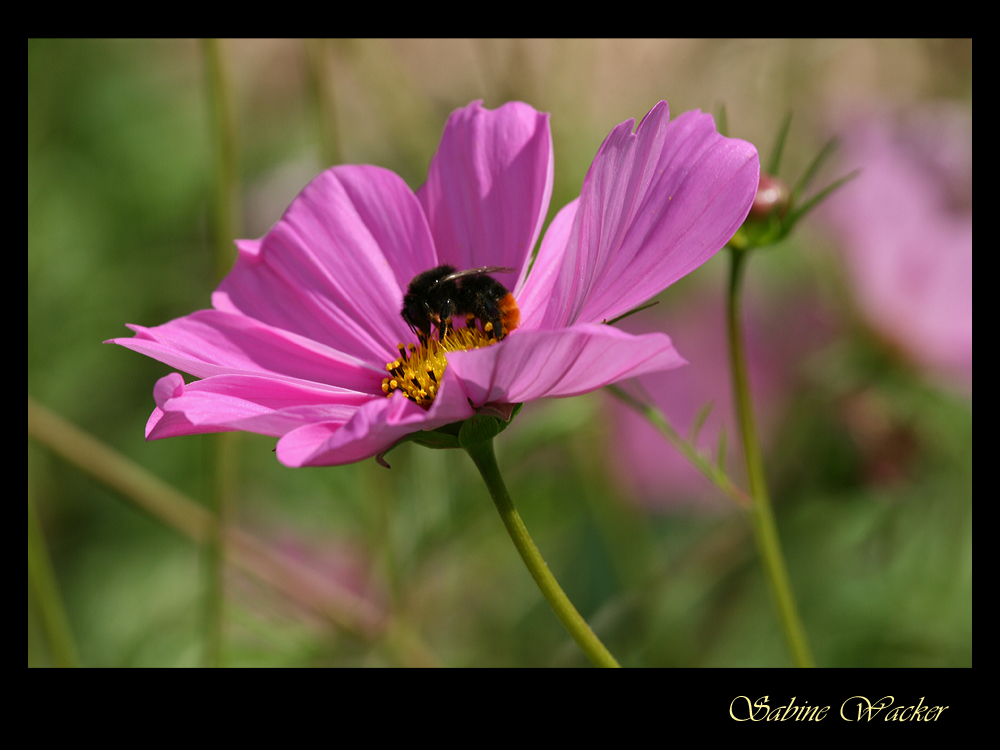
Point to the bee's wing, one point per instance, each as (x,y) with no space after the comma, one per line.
(477,271)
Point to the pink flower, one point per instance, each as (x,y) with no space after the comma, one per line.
(906,230)
(302,328)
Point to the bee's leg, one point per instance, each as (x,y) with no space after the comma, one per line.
(493,325)
(444,326)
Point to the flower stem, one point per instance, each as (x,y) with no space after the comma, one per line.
(765,529)
(319,53)
(226,229)
(225,217)
(483,457)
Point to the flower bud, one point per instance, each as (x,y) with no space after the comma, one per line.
(773,196)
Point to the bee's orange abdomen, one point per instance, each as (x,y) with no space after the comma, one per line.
(510,314)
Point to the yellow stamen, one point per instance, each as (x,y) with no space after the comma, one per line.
(417,374)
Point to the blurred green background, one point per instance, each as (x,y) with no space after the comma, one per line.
(870,462)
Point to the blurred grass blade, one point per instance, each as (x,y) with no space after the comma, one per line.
(319,54)
(225,217)
(294,580)
(111,468)
(720,452)
(722,122)
(43,590)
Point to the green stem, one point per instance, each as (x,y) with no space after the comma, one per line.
(319,53)
(225,218)
(765,529)
(226,229)
(483,457)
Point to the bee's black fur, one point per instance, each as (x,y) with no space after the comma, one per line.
(437,295)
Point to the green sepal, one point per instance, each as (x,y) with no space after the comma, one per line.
(481,427)
(774,166)
(439,439)
(813,169)
(798,212)
(478,429)
(455,434)
(633,311)
(760,233)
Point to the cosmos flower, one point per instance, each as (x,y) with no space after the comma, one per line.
(905,226)
(303,329)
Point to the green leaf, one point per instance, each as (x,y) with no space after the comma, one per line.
(721,451)
(699,421)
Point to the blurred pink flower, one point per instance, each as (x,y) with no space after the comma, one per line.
(331,578)
(301,329)
(905,226)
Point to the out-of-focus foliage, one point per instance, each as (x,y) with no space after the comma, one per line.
(870,462)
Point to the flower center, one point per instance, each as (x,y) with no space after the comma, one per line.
(418,371)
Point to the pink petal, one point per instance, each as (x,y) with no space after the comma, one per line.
(534,297)
(167,388)
(334,268)
(251,403)
(489,185)
(540,364)
(654,206)
(212,342)
(372,429)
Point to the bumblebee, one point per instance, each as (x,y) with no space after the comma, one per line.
(434,297)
